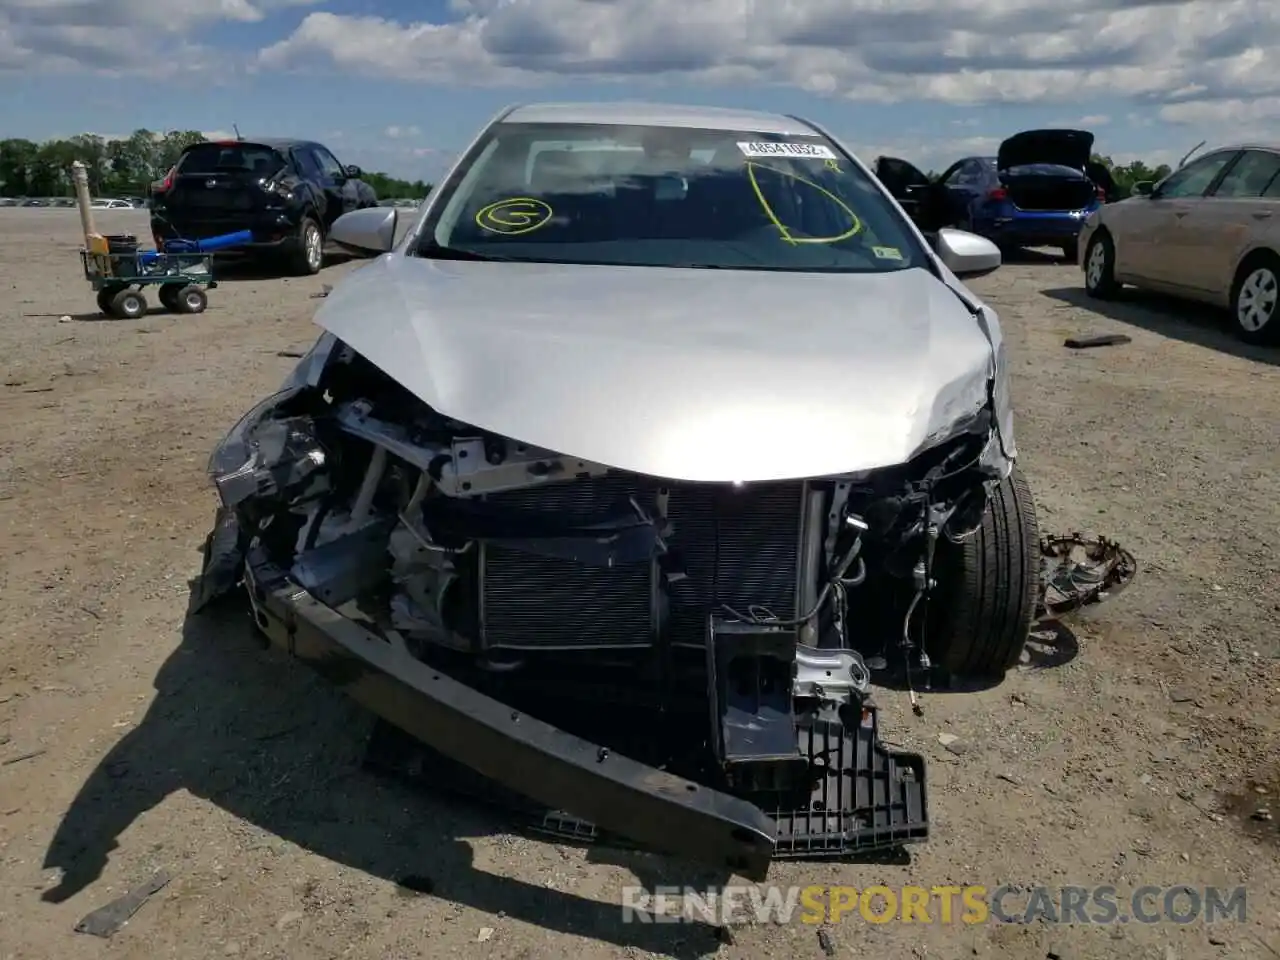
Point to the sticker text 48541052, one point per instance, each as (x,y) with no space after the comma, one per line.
(804,151)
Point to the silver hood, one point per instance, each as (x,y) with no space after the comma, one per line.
(694,375)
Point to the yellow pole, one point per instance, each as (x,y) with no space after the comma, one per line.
(80,178)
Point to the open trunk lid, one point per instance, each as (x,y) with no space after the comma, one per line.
(1068,148)
(218,185)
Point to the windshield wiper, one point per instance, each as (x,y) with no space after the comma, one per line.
(434,251)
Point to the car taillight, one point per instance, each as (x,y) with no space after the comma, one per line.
(276,188)
(167,183)
(1102,194)
(998,193)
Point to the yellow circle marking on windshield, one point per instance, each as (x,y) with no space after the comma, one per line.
(514,215)
(833,165)
(782,229)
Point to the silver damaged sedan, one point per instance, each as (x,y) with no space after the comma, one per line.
(627,465)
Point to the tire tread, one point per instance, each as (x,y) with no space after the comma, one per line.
(995,575)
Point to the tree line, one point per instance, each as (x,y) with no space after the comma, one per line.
(1125,175)
(124,168)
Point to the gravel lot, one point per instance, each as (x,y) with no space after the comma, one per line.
(1142,747)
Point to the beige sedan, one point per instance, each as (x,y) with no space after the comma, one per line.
(1209,232)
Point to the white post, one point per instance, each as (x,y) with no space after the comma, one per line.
(80,177)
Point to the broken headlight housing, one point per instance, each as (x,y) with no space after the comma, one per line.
(265,455)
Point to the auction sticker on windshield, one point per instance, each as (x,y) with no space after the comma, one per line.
(814,151)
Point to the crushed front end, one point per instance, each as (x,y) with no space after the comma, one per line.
(683,665)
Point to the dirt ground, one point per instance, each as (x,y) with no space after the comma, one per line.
(1141,747)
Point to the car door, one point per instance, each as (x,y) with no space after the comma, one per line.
(963,184)
(911,188)
(350,188)
(1148,247)
(345,192)
(1222,227)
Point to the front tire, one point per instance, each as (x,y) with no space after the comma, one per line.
(1100,267)
(987,588)
(128,305)
(1255,300)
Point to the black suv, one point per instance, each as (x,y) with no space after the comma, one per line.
(288,192)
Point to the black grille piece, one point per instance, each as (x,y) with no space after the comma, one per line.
(739,546)
(865,797)
(545,603)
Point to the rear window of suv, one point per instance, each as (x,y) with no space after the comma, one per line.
(231,157)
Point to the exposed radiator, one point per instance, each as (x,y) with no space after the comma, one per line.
(544,603)
(739,547)
(736,546)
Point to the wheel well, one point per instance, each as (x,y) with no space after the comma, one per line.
(1251,260)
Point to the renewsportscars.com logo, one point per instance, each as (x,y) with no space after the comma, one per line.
(973,904)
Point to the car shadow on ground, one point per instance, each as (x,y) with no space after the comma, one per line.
(265,739)
(1202,325)
(1035,255)
(242,268)
(1050,644)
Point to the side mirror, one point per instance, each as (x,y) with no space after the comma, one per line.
(1143,188)
(354,172)
(370,231)
(967,255)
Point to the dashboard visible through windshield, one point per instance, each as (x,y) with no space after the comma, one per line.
(669,197)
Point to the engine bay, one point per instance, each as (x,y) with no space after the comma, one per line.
(625,610)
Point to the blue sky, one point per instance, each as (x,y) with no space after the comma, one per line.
(401,86)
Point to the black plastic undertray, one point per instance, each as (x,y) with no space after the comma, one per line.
(865,801)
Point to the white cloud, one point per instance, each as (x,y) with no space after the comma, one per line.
(401,133)
(1263,110)
(134,36)
(1207,64)
(967,51)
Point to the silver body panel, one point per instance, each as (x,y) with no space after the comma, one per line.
(679,373)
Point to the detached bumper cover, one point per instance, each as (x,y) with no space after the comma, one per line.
(664,813)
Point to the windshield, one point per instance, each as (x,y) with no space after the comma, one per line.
(251,158)
(666,197)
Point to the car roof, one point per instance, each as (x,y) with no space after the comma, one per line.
(659,115)
(275,143)
(1271,147)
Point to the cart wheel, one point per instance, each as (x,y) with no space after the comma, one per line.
(191,299)
(128,304)
(105,296)
(168,297)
